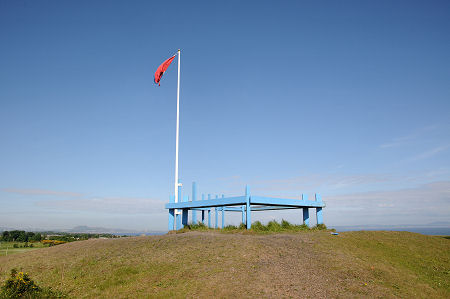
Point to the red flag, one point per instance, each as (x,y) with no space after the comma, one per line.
(162,69)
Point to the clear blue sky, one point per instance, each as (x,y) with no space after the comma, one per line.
(347,98)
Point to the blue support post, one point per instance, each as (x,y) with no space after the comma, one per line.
(243,214)
(178,221)
(216,215)
(209,218)
(319,215)
(178,215)
(194,198)
(248,209)
(185,212)
(305,211)
(209,213)
(216,219)
(223,215)
(171,213)
(203,211)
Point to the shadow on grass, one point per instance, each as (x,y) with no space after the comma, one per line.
(257,227)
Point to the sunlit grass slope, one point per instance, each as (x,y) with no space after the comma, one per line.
(244,264)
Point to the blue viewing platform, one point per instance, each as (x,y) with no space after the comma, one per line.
(244,204)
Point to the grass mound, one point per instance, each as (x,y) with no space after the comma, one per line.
(202,264)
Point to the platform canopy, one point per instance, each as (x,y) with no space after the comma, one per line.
(244,204)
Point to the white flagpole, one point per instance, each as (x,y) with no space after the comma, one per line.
(177,133)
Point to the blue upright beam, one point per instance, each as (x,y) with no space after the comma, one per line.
(171,213)
(216,218)
(194,198)
(223,214)
(203,211)
(243,214)
(216,215)
(178,224)
(209,218)
(305,211)
(178,221)
(319,215)
(248,208)
(185,212)
(209,213)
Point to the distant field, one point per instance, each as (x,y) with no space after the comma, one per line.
(213,264)
(7,248)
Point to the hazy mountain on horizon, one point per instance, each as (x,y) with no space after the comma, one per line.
(97,230)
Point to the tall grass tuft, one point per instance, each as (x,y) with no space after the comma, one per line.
(274,226)
(257,227)
(284,226)
(320,227)
(198,226)
(230,228)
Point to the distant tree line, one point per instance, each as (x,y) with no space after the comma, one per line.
(70,237)
(20,236)
(23,236)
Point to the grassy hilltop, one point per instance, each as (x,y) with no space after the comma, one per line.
(214,264)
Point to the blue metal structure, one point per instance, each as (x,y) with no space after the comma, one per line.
(244,204)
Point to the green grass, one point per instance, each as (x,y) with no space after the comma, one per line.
(209,263)
(397,260)
(257,227)
(7,248)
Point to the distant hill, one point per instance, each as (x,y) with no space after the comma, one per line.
(97,230)
(117,231)
(213,264)
(440,224)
